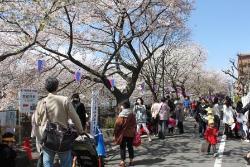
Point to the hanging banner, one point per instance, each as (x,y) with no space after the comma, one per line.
(155,88)
(28,99)
(94,112)
(112,84)
(143,87)
(40,65)
(78,76)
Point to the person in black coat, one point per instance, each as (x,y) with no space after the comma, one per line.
(80,109)
(7,153)
(200,115)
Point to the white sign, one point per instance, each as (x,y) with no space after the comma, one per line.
(27,100)
(94,112)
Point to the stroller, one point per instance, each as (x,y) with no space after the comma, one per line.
(84,152)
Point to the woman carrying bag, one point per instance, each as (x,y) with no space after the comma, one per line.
(124,132)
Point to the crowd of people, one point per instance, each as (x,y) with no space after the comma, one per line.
(212,116)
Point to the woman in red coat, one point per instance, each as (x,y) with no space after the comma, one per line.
(210,135)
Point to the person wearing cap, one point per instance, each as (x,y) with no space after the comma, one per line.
(210,135)
(7,153)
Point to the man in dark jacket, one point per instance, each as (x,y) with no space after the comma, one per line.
(7,153)
(80,109)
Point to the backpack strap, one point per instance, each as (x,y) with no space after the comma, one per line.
(46,110)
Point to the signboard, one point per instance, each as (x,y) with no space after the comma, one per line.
(28,100)
(3,118)
(8,118)
(11,119)
(94,112)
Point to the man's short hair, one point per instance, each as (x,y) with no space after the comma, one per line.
(125,104)
(163,99)
(51,84)
(75,96)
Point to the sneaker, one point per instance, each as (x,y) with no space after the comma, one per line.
(131,164)
(247,140)
(149,139)
(215,154)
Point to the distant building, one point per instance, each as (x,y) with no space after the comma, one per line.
(243,72)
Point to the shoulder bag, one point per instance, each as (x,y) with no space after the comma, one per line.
(56,137)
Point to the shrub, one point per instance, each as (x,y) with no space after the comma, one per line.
(109,122)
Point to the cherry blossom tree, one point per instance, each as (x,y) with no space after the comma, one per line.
(117,36)
(173,67)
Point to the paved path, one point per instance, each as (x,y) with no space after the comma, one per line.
(183,151)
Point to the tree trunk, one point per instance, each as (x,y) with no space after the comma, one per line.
(154,94)
(183,91)
(175,89)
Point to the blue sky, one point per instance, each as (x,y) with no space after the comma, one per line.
(222,27)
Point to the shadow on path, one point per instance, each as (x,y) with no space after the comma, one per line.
(149,161)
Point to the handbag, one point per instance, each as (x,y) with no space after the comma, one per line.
(56,137)
(137,140)
(204,147)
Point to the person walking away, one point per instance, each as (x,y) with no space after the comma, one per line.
(216,112)
(163,117)
(186,105)
(155,108)
(124,132)
(228,117)
(170,104)
(179,113)
(80,109)
(60,110)
(193,108)
(210,135)
(141,116)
